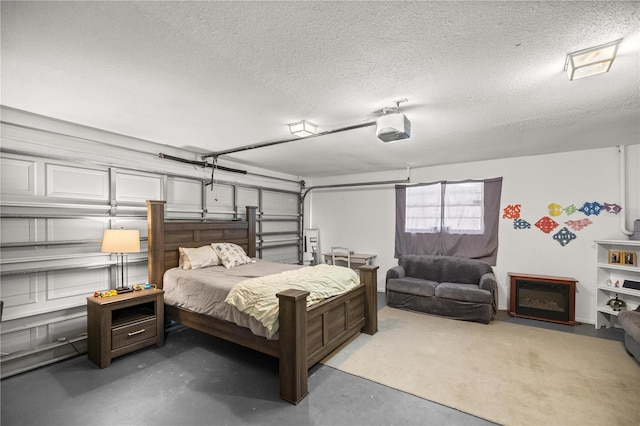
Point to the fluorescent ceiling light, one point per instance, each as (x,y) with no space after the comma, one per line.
(302,128)
(591,61)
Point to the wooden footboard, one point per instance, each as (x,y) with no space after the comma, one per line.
(306,335)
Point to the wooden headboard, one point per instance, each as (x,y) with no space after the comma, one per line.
(165,237)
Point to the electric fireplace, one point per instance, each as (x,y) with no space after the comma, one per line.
(543,298)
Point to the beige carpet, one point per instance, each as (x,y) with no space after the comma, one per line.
(506,373)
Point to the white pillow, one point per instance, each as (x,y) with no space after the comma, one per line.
(230,254)
(196,258)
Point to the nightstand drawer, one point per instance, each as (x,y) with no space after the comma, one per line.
(133,333)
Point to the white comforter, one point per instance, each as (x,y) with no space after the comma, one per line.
(256,297)
(205,290)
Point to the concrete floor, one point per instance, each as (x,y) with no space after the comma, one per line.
(195,379)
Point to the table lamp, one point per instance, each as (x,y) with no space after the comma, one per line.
(120,242)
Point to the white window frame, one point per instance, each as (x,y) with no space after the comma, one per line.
(437,208)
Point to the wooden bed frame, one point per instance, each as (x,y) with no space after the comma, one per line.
(307,335)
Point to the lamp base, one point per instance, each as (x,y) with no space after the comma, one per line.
(124,290)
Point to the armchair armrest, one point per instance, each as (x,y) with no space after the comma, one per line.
(488,282)
(395,272)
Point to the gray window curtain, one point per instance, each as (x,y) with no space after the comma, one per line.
(472,246)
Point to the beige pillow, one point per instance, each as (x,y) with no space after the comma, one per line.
(196,258)
(230,254)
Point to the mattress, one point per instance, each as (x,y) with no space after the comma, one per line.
(204,290)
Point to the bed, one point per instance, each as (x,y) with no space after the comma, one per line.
(306,334)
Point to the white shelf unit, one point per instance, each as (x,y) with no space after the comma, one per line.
(605,316)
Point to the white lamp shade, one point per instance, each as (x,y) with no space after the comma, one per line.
(303,128)
(121,241)
(592,61)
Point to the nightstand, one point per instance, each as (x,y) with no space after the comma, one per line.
(124,323)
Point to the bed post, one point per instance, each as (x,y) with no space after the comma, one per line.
(294,374)
(251,218)
(155,223)
(369,277)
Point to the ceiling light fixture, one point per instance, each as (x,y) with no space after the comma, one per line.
(392,126)
(591,61)
(303,128)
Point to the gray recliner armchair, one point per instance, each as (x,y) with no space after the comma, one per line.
(454,287)
(630,323)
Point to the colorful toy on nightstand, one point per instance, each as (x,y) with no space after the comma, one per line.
(147,286)
(107,293)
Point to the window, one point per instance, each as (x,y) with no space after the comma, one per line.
(423,207)
(454,208)
(449,218)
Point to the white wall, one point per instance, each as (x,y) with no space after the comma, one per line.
(363,218)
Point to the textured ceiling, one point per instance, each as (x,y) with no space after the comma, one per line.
(483,79)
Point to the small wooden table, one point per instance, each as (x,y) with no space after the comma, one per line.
(124,323)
